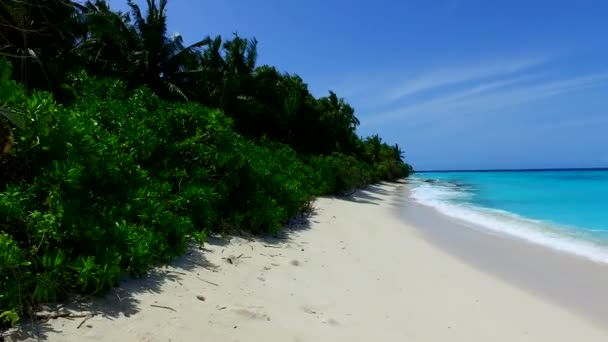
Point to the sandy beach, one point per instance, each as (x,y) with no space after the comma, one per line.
(356,272)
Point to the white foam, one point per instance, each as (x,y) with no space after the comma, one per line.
(447,200)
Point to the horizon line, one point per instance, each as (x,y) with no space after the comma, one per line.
(527,169)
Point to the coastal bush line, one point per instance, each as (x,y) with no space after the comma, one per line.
(119,145)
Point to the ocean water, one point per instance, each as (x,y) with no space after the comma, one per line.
(564,209)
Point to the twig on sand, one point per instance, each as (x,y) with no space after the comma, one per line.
(84,320)
(272,255)
(53,315)
(207,281)
(176,272)
(231,259)
(163,307)
(269,246)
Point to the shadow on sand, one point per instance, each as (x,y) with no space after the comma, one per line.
(122,301)
(369,194)
(119,301)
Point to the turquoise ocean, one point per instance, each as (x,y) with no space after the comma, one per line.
(566,210)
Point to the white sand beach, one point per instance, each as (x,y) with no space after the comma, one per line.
(357,272)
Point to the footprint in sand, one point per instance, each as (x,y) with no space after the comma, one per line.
(331,321)
(319,315)
(252,313)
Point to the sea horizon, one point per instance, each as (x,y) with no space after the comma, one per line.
(515,170)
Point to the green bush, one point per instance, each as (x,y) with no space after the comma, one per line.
(122,180)
(338,173)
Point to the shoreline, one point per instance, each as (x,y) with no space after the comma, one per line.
(356,272)
(572,281)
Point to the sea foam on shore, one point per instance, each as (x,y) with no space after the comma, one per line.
(456,201)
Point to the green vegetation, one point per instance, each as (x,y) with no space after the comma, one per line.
(105,175)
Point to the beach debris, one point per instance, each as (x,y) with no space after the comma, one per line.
(270,246)
(84,320)
(267,268)
(234,260)
(54,315)
(163,307)
(295,262)
(201,298)
(221,308)
(272,255)
(60,312)
(207,281)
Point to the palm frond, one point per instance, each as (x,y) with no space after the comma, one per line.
(175,90)
(13,117)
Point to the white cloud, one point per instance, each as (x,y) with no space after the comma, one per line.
(491,95)
(452,76)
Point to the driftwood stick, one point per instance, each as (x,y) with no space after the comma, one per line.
(163,307)
(84,320)
(54,315)
(208,282)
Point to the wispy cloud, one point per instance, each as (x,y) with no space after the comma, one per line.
(538,91)
(446,77)
(485,96)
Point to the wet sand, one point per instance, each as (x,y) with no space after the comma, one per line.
(573,282)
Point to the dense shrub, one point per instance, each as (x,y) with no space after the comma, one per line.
(120,180)
(338,173)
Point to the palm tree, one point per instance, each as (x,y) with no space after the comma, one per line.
(38,37)
(373,148)
(107,47)
(137,45)
(397,153)
(211,72)
(340,122)
(239,64)
(340,112)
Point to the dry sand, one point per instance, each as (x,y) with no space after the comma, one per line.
(355,273)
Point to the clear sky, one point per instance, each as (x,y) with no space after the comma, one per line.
(458,84)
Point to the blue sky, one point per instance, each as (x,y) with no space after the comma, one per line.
(458,84)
